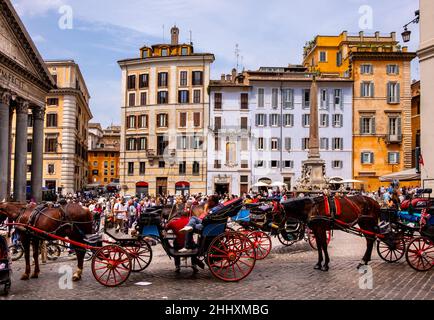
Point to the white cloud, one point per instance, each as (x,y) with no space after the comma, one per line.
(36,7)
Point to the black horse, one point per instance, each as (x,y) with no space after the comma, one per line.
(316,212)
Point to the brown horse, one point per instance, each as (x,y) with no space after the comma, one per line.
(350,211)
(72,221)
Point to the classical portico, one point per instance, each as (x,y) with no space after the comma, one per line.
(24,84)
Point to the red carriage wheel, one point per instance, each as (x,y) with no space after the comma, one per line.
(312,240)
(261,242)
(140,254)
(420,254)
(111,265)
(391,251)
(231,257)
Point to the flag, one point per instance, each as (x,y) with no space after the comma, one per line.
(421,162)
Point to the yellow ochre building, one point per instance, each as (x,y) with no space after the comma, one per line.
(381,71)
(164,115)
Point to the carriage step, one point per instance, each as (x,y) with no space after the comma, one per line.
(191,253)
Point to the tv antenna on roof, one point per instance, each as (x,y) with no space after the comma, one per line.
(191,37)
(237,54)
(163,33)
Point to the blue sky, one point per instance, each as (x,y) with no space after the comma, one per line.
(269,33)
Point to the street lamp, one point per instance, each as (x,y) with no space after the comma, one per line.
(407,33)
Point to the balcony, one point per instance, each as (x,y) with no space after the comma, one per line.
(393,138)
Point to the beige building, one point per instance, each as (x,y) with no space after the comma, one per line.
(164,116)
(66,126)
(426,58)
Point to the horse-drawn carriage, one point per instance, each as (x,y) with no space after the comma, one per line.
(229,255)
(413,225)
(256,219)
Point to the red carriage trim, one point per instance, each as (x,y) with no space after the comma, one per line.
(327,206)
(337,206)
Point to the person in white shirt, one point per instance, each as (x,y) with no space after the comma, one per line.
(120,212)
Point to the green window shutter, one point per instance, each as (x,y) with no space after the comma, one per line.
(372,157)
(372,90)
(399,131)
(373,129)
(361,158)
(389,93)
(398,92)
(265,120)
(361,125)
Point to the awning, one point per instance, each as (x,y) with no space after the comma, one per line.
(142,184)
(406,175)
(182,185)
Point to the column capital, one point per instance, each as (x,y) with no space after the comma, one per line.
(38,112)
(5,96)
(22,106)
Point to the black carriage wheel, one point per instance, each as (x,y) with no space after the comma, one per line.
(283,238)
(420,254)
(391,252)
(140,254)
(53,251)
(16,252)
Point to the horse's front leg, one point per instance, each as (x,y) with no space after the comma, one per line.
(325,267)
(369,244)
(80,253)
(36,250)
(316,232)
(25,242)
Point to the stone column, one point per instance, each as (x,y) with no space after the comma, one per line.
(4,144)
(10,140)
(313,127)
(20,155)
(37,152)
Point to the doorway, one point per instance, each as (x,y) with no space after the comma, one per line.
(221,188)
(161,186)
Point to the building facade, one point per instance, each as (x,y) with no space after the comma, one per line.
(229,156)
(103,156)
(164,117)
(381,72)
(415,121)
(66,129)
(24,84)
(260,126)
(426,59)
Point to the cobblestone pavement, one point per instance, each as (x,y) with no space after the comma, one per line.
(286,274)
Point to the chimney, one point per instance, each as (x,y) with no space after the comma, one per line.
(393,35)
(361,33)
(228,77)
(175,36)
(222,78)
(234,74)
(377,35)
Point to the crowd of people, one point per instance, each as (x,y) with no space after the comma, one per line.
(123,212)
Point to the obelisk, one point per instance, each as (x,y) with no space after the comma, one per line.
(314,167)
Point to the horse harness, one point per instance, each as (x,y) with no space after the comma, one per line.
(38,211)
